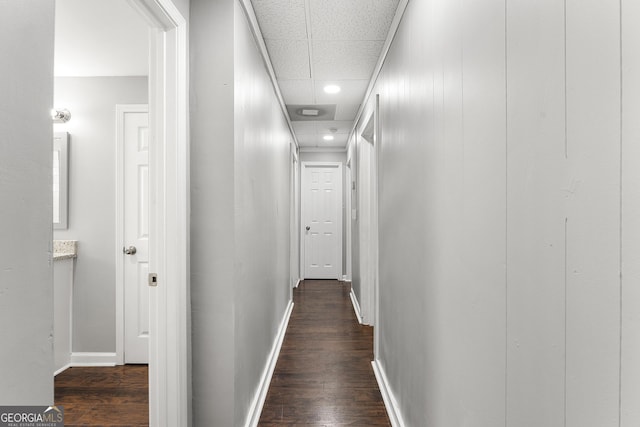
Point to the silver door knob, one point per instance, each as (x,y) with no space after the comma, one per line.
(130,250)
(308,228)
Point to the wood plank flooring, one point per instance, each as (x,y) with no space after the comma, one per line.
(323,376)
(104,396)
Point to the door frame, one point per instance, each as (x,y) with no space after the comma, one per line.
(295,217)
(365,220)
(169,382)
(348,178)
(375,225)
(303,263)
(367,154)
(121,110)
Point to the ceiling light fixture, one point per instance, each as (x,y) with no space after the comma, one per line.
(328,137)
(332,89)
(60,116)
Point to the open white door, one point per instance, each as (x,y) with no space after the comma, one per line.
(134,120)
(322,220)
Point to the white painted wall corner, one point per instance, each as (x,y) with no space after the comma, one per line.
(261,393)
(390,403)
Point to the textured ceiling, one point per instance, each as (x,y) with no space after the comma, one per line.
(312,43)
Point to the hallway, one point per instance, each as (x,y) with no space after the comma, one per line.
(489,210)
(324,375)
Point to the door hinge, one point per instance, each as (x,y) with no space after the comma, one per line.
(153,279)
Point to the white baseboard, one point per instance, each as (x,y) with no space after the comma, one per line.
(261,393)
(297,283)
(356,306)
(88,359)
(92,359)
(393,410)
(61,370)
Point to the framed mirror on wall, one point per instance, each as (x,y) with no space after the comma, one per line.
(60,180)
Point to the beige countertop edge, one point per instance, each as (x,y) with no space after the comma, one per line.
(63,255)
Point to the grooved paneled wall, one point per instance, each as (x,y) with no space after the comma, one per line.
(510,214)
(240,215)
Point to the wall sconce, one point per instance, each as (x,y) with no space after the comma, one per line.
(60,116)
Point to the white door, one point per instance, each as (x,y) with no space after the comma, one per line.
(136,236)
(322,220)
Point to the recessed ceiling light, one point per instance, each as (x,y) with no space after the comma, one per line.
(332,89)
(328,137)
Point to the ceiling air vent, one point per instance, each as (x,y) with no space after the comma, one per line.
(308,112)
(298,113)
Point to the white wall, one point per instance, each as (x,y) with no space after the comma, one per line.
(262,215)
(89,44)
(92,102)
(323,156)
(630,292)
(26,271)
(240,189)
(508,204)
(212,213)
(536,245)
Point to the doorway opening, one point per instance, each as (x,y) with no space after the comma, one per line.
(165,90)
(364,152)
(96,69)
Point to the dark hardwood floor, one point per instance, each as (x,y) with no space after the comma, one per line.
(104,396)
(323,376)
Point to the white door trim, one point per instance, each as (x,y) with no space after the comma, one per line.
(295,218)
(375,227)
(121,110)
(169,382)
(367,165)
(304,165)
(348,178)
(364,225)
